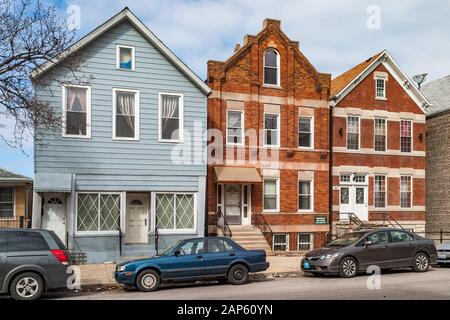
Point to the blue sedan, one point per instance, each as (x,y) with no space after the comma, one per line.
(193,259)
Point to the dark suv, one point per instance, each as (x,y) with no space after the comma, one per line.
(31,262)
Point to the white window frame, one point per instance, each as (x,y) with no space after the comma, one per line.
(384,88)
(359,132)
(311,199)
(243,128)
(412,135)
(385,133)
(385,191)
(14,204)
(311,239)
(278,84)
(277,209)
(173,231)
(64,110)
(412,192)
(180,115)
(287,241)
(136,114)
(311,124)
(277,145)
(108,232)
(133,57)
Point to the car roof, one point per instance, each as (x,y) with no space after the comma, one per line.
(379,229)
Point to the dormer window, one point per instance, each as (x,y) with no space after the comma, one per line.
(271,67)
(125,58)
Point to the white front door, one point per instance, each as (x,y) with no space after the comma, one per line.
(233,203)
(137,219)
(360,204)
(353,196)
(55,215)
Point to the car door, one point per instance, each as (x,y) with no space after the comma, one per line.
(187,261)
(402,248)
(218,257)
(3,248)
(377,253)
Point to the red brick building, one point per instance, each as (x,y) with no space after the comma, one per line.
(378,144)
(271,106)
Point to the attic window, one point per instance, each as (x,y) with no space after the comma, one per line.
(380,88)
(125,58)
(271,67)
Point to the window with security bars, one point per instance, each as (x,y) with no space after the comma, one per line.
(380,134)
(271,129)
(380,88)
(305,241)
(405,136)
(280,242)
(97,212)
(305,132)
(380,191)
(175,211)
(405,192)
(353,133)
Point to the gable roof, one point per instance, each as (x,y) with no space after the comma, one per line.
(125,14)
(344,84)
(438,92)
(6,175)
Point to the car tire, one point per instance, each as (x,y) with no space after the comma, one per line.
(238,274)
(27,286)
(148,281)
(421,262)
(348,268)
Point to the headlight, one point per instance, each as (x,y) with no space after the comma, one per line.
(329,256)
(120,268)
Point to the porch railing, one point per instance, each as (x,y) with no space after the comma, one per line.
(223,225)
(354,220)
(387,220)
(259,221)
(16,222)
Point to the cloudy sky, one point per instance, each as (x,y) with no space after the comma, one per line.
(333,34)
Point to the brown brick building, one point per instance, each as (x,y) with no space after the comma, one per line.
(378,144)
(270,106)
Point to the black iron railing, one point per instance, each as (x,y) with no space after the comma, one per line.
(388,220)
(354,220)
(223,225)
(259,221)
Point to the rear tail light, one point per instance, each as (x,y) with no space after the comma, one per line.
(61,256)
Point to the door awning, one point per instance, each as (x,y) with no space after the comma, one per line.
(237,175)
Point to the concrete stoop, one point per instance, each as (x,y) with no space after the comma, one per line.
(250,238)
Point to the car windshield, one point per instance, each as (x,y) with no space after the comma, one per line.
(346,239)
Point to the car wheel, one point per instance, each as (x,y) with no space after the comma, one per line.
(27,286)
(148,280)
(238,274)
(348,268)
(421,262)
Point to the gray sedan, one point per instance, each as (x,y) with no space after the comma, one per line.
(385,248)
(444,254)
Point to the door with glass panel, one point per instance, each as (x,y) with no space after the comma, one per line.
(233,203)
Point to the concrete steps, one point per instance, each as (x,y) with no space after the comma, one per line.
(250,238)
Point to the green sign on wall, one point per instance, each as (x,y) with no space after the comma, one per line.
(320,220)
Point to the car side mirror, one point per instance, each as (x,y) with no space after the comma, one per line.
(177,253)
(367,243)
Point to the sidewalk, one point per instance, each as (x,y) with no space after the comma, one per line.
(102,274)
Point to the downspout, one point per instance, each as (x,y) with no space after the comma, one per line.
(332,103)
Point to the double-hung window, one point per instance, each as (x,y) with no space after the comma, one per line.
(235,127)
(380,191)
(305,132)
(6,202)
(305,241)
(76,111)
(98,212)
(305,195)
(271,194)
(126,114)
(271,67)
(353,133)
(380,134)
(125,59)
(405,135)
(272,129)
(280,242)
(405,191)
(380,88)
(175,212)
(171,117)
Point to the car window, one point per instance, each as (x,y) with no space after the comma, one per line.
(2,241)
(400,236)
(346,239)
(192,247)
(227,246)
(215,246)
(378,238)
(26,241)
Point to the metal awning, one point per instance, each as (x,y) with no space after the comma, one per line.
(53,182)
(237,175)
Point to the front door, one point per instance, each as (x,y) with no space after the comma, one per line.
(55,215)
(137,219)
(353,196)
(233,203)
(360,205)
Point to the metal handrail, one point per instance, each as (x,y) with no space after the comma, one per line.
(225,227)
(353,219)
(259,221)
(387,218)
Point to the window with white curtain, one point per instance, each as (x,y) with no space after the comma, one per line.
(126,114)
(353,133)
(170,117)
(271,67)
(380,134)
(76,111)
(305,196)
(271,194)
(405,192)
(235,127)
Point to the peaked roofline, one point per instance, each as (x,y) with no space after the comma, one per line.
(16,176)
(406,83)
(137,23)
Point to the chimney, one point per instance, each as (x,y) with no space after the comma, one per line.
(237,47)
(268,22)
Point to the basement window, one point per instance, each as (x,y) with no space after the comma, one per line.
(280,242)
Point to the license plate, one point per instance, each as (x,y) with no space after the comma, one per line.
(306,265)
(442,256)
